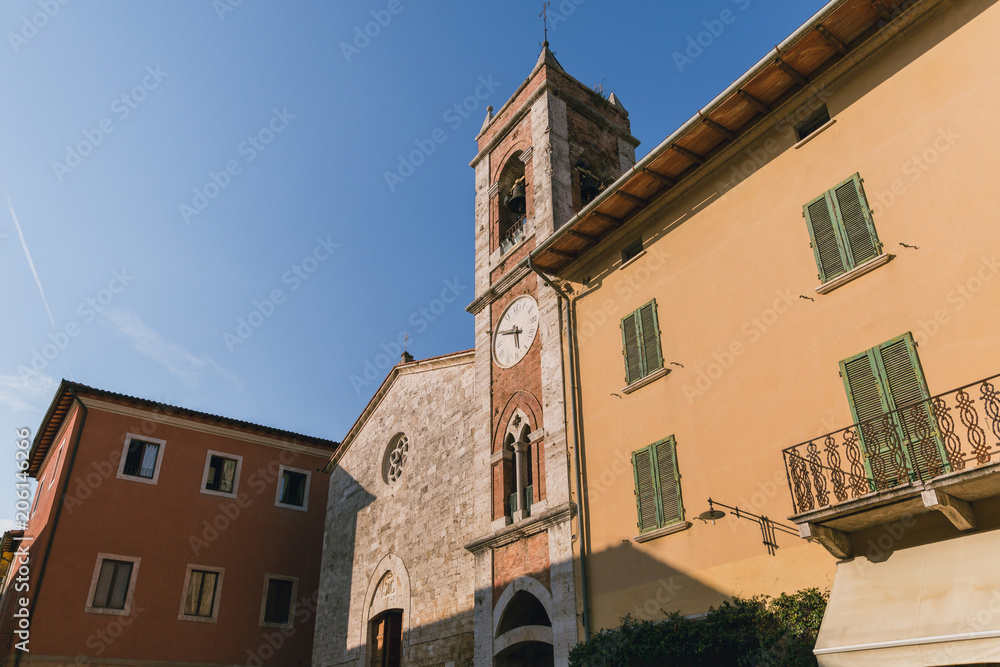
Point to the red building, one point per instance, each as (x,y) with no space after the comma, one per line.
(165,534)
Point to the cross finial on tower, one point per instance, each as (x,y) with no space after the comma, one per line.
(545,21)
(406,356)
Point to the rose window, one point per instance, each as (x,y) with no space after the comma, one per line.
(395,459)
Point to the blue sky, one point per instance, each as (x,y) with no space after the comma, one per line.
(196,208)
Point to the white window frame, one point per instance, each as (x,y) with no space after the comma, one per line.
(305,497)
(55,470)
(291,602)
(101,557)
(156,468)
(236,478)
(216,603)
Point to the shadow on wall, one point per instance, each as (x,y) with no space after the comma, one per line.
(368,617)
(627,587)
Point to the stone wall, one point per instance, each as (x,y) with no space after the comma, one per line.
(416,528)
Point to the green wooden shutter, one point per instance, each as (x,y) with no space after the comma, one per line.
(855,219)
(821,220)
(906,387)
(884,379)
(651,357)
(868,400)
(669,481)
(631,349)
(645,489)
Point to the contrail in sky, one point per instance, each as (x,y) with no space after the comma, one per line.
(27,254)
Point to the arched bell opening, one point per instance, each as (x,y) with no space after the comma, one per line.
(513,190)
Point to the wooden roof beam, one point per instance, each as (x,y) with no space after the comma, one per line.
(617,222)
(718,127)
(638,201)
(560,253)
(832,39)
(881,9)
(758,103)
(691,155)
(583,237)
(796,75)
(662,178)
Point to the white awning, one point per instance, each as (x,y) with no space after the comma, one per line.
(937,604)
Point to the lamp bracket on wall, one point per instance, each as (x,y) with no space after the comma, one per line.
(768,528)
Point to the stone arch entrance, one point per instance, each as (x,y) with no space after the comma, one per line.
(522,626)
(387,613)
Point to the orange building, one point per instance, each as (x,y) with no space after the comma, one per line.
(164,534)
(811,259)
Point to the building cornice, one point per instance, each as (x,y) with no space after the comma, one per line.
(549,86)
(522,529)
(194,425)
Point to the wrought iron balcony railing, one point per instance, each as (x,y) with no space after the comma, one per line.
(954,431)
(513,235)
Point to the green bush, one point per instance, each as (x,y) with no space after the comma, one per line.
(780,632)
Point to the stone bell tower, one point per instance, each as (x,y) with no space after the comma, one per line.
(542,157)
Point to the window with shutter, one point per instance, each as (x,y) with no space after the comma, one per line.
(657,485)
(841,229)
(641,343)
(888,396)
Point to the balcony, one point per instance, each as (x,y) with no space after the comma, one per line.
(513,235)
(941,454)
(528,495)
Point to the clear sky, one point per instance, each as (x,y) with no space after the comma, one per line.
(196,207)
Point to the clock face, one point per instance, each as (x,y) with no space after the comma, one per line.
(515,331)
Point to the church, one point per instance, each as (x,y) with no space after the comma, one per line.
(451,509)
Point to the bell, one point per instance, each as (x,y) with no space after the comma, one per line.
(516,203)
(589,187)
